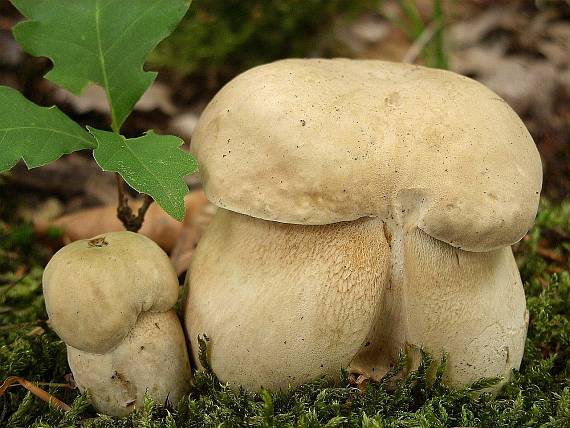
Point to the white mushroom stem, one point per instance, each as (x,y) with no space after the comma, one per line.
(470,305)
(304,301)
(152,360)
(283,304)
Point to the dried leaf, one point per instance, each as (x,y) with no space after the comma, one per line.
(527,85)
(158,225)
(184,125)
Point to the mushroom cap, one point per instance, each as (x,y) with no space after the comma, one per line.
(95,289)
(312,141)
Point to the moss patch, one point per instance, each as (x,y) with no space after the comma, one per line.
(538,395)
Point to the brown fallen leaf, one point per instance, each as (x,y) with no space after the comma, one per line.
(158,226)
(40,211)
(528,85)
(521,56)
(359,380)
(472,32)
(184,124)
(360,35)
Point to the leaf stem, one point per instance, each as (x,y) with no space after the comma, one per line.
(125,213)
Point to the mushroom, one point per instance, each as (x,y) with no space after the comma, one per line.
(366,207)
(111,299)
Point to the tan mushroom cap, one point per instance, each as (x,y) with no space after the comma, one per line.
(322,141)
(96,289)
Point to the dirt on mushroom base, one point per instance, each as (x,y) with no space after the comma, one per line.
(540,393)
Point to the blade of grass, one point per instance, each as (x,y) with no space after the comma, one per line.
(416,24)
(440,56)
(418,48)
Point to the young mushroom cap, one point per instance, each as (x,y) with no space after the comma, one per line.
(96,289)
(322,141)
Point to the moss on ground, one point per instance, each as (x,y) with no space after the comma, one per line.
(538,395)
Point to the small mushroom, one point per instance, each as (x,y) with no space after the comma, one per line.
(111,300)
(366,207)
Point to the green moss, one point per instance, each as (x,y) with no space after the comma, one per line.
(538,395)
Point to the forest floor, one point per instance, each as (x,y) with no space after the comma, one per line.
(537,395)
(517,49)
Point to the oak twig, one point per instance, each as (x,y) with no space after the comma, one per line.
(125,213)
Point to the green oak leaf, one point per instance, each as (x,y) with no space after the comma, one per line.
(38,135)
(151,164)
(99,41)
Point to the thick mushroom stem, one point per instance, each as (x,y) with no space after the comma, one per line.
(443,299)
(284,304)
(152,360)
(306,301)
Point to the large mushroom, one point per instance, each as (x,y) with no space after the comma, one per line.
(111,300)
(365,207)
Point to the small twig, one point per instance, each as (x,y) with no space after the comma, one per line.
(34,389)
(6,24)
(125,213)
(55,385)
(422,41)
(550,255)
